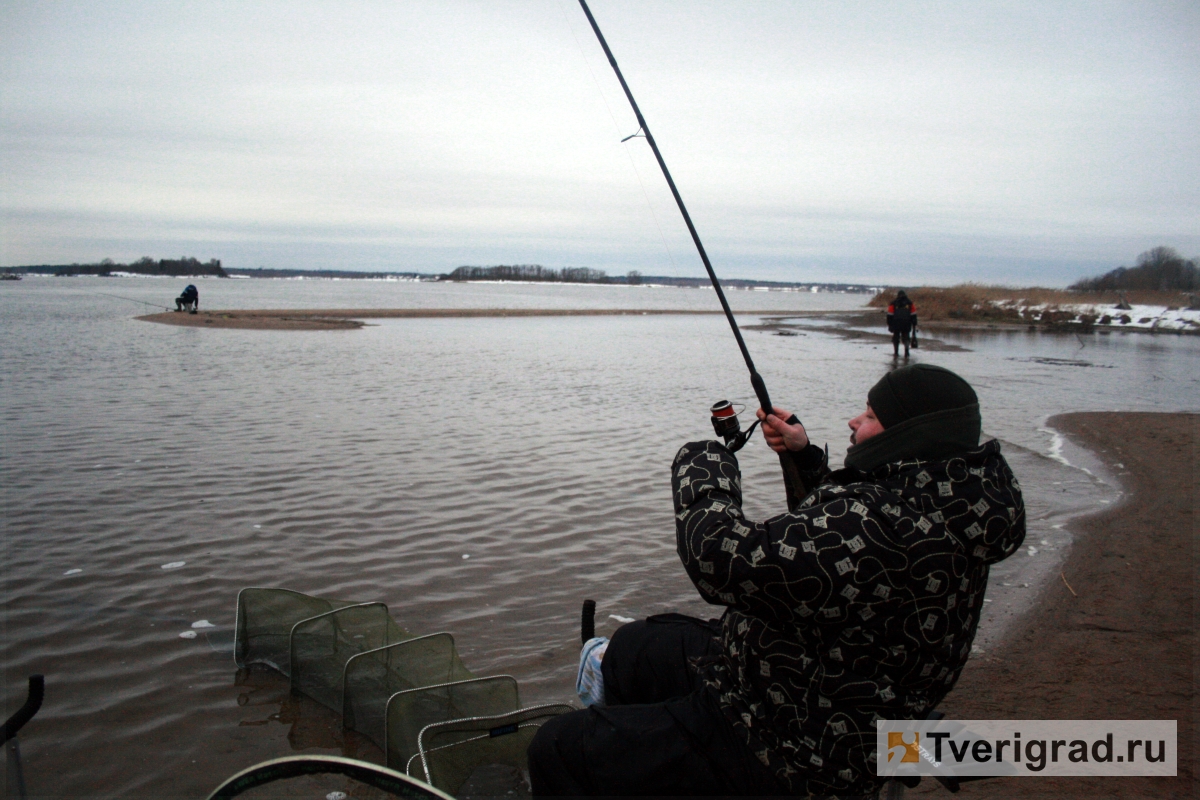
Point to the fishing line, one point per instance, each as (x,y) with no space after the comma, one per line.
(714,375)
(791,475)
(132,300)
(617,128)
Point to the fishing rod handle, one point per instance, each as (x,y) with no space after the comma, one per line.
(793,484)
(764,398)
(587,628)
(760,389)
(37,691)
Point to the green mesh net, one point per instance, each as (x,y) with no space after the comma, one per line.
(321,647)
(373,677)
(409,712)
(390,686)
(264,624)
(449,752)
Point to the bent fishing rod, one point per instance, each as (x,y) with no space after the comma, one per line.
(722,412)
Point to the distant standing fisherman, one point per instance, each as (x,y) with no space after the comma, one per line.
(901,321)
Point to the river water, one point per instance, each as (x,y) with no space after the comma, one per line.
(481,476)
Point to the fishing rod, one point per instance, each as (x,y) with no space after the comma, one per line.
(724,420)
(33,702)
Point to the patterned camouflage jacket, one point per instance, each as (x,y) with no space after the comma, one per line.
(861,604)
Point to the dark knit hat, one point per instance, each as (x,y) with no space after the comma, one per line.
(927,412)
(916,390)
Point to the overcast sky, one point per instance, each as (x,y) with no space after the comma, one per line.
(1017,142)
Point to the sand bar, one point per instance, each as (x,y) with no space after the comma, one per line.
(1115,637)
(351,318)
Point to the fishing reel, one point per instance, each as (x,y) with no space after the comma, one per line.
(726,425)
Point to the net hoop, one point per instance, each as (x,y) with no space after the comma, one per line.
(373,775)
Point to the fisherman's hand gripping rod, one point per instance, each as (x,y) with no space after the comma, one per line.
(791,477)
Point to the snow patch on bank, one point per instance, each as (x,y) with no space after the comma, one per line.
(1136,317)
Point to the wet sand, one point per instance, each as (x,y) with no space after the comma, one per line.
(350,318)
(1115,637)
(859,326)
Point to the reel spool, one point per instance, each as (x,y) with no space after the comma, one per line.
(725,419)
(726,425)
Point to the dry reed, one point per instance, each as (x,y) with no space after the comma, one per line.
(977,302)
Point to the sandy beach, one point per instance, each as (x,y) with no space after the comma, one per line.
(1115,638)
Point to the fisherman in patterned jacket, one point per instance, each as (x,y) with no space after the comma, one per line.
(858,604)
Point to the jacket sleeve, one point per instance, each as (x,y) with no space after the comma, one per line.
(821,565)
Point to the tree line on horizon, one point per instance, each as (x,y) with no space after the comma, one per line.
(187,266)
(182,266)
(1158,269)
(530,272)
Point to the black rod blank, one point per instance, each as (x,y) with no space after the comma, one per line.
(33,701)
(760,388)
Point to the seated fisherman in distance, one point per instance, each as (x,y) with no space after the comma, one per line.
(858,604)
(189,300)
